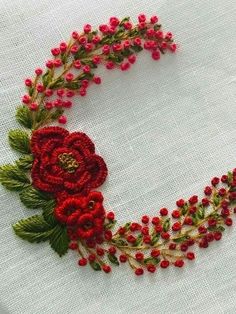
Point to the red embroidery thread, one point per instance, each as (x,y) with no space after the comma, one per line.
(65,170)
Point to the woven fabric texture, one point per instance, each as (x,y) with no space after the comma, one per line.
(164,128)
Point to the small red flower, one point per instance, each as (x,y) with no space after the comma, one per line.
(179,263)
(73,246)
(192,210)
(208,190)
(65,164)
(165,235)
(123,258)
(84,216)
(184,247)
(147,239)
(138,271)
(155,220)
(82,262)
(180,203)
(225,212)
(215,181)
(176,213)
(163,211)
(131,238)
(190,256)
(224,204)
(155,253)
(217,236)
(224,178)
(151,268)
(193,200)
(164,264)
(121,230)
(145,230)
(134,227)
(202,229)
(100,251)
(188,221)
(228,221)
(106,268)
(139,256)
(110,216)
(212,222)
(210,237)
(158,228)
(203,243)
(176,226)
(205,202)
(112,250)
(108,235)
(145,219)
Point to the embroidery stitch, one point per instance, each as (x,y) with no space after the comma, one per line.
(64,168)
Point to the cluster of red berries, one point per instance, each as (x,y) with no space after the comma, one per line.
(168,238)
(115,45)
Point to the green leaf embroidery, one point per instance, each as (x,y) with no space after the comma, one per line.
(216,228)
(151,260)
(59,240)
(95,266)
(48,213)
(110,225)
(25,162)
(12,178)
(120,242)
(180,239)
(136,48)
(90,63)
(72,85)
(33,229)
(200,213)
(24,116)
(125,19)
(127,225)
(155,239)
(126,52)
(34,199)
(58,83)
(47,78)
(139,240)
(156,27)
(166,225)
(184,209)
(216,200)
(19,140)
(42,115)
(56,114)
(113,259)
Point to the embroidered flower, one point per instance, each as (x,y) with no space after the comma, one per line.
(65,163)
(84,216)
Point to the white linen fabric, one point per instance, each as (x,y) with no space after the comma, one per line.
(164,129)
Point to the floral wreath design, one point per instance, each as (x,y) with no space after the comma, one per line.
(59,171)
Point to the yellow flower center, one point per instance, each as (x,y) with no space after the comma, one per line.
(68,162)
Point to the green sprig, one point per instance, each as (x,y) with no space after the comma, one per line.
(19,141)
(13,178)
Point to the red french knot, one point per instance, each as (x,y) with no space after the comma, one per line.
(65,163)
(83,216)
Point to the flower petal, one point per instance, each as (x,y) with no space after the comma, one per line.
(98,170)
(80,142)
(42,136)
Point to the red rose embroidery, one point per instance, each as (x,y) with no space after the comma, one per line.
(65,163)
(84,216)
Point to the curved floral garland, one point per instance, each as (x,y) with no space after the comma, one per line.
(58,171)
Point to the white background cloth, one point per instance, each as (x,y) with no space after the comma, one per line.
(164,128)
